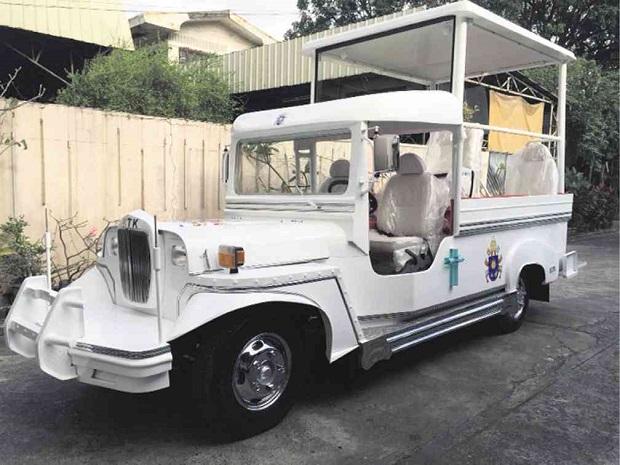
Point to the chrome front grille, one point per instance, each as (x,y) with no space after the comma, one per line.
(135,264)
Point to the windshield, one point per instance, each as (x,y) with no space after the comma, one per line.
(295,165)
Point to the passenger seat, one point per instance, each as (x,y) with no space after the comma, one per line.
(531,171)
(338,177)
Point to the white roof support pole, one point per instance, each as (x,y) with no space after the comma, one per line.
(459,53)
(315,72)
(455,188)
(561,115)
(458,89)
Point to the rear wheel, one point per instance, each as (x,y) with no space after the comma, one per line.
(512,321)
(248,375)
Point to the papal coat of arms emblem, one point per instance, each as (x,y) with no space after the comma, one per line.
(493,262)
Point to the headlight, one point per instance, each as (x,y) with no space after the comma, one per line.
(179,255)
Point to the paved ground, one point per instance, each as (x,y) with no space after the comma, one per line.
(547,394)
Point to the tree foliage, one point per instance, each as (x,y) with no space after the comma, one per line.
(319,15)
(588,28)
(7,107)
(19,256)
(591,120)
(144,81)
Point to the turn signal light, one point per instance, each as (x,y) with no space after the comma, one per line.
(231,257)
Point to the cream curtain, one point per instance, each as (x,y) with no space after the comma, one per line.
(512,112)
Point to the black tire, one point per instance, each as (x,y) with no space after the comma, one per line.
(220,404)
(510,322)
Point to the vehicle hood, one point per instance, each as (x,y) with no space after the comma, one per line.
(266,243)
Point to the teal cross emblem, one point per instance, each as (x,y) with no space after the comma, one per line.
(452,261)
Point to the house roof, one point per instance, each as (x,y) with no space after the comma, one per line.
(494,44)
(88,21)
(152,22)
(392,111)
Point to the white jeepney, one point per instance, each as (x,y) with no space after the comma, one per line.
(345,232)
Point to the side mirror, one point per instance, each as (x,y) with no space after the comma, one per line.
(386,153)
(225,165)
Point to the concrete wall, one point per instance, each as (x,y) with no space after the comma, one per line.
(99,164)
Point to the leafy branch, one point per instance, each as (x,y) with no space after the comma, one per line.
(76,249)
(8,105)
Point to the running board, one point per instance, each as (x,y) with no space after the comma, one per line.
(437,324)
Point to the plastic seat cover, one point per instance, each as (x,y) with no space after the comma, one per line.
(531,171)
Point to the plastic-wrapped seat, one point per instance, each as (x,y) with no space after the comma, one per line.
(439,158)
(338,177)
(410,214)
(531,171)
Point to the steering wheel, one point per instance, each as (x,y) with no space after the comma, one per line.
(372,203)
(337,182)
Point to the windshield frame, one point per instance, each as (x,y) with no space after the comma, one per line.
(348,132)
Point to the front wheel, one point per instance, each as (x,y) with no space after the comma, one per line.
(250,374)
(512,321)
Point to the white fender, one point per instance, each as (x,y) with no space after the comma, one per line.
(530,252)
(206,306)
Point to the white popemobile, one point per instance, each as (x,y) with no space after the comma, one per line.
(338,237)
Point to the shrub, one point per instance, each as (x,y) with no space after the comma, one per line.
(19,256)
(594,207)
(144,81)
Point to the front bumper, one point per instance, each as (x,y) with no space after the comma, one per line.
(80,333)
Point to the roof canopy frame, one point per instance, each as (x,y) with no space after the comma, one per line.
(514,49)
(502,45)
(315,90)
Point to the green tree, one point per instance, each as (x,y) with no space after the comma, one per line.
(19,256)
(144,81)
(591,120)
(588,28)
(319,15)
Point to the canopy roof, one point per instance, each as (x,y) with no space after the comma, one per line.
(419,45)
(393,111)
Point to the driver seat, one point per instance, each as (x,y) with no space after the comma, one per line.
(411,209)
(338,177)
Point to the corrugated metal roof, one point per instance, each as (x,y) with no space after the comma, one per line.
(283,64)
(95,22)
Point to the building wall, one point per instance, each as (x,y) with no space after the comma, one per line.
(207,37)
(101,165)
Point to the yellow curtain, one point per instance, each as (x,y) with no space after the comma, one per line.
(512,112)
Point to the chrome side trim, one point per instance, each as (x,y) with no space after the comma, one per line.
(128,354)
(514,218)
(482,228)
(426,327)
(445,330)
(467,301)
(442,321)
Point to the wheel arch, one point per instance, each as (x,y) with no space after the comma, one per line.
(537,262)
(225,307)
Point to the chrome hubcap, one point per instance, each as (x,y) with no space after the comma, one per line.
(261,371)
(521,297)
